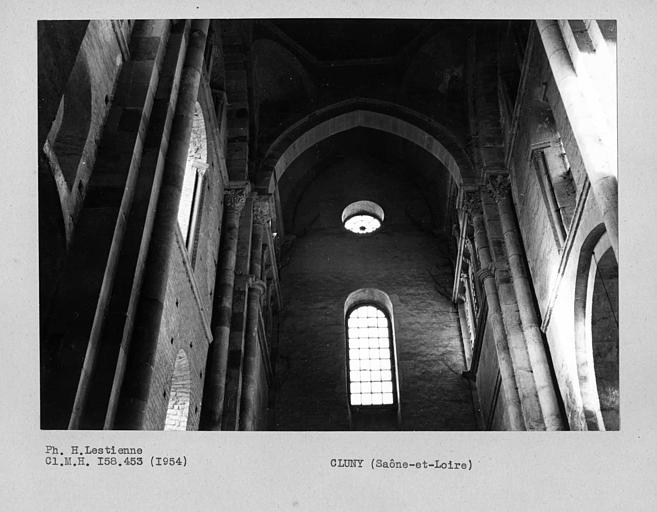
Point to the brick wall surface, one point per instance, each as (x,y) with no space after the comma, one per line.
(179,394)
(186,309)
(205,261)
(181,329)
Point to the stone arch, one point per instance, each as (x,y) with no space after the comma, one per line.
(596,331)
(179,394)
(365,113)
(371,295)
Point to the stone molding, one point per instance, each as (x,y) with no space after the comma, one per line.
(484,273)
(200,166)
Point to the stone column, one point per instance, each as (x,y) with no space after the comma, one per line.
(215,375)
(230,417)
(248,408)
(139,371)
(472,204)
(598,152)
(84,307)
(499,187)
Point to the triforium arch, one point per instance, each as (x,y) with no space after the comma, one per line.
(596,331)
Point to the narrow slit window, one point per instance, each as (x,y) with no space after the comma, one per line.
(371,365)
(191,196)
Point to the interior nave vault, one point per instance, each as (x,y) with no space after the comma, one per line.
(328,224)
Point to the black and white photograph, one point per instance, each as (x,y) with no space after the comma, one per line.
(328,224)
(333,250)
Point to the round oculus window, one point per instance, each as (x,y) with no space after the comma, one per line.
(362,217)
(362,223)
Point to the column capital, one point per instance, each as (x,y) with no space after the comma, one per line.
(261,210)
(499,186)
(472,202)
(257,285)
(485,273)
(235,199)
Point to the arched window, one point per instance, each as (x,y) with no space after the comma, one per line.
(371,370)
(179,394)
(191,197)
(362,217)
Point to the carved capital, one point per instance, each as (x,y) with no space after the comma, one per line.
(485,273)
(498,186)
(234,200)
(261,211)
(472,202)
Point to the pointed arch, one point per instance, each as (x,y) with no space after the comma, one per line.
(366,113)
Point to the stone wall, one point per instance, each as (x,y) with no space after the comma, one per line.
(190,290)
(553,268)
(184,327)
(326,264)
(93,66)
